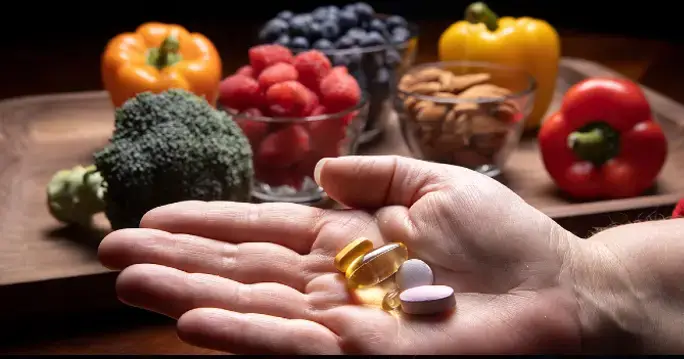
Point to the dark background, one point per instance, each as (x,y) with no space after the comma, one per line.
(102,19)
(55,46)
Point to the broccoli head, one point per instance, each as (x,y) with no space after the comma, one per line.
(166,147)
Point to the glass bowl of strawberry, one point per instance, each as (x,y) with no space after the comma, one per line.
(295,110)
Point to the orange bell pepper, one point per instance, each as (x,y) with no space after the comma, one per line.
(157,57)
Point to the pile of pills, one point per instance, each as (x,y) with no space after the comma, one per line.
(415,293)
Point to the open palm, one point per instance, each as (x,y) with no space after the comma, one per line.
(259,278)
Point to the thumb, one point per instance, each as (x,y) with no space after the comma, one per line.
(377,181)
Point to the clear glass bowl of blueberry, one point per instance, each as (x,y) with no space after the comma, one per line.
(376,48)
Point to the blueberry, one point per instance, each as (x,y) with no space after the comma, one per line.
(307,17)
(320,14)
(372,39)
(357,34)
(323,44)
(315,31)
(283,40)
(377,25)
(350,60)
(332,9)
(330,30)
(392,58)
(348,19)
(299,43)
(340,60)
(345,42)
(382,77)
(285,15)
(299,25)
(396,21)
(354,59)
(349,7)
(400,35)
(364,11)
(273,29)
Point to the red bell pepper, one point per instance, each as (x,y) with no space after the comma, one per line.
(603,141)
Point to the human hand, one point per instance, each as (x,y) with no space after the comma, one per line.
(259,278)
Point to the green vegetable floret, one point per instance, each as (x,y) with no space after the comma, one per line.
(165,148)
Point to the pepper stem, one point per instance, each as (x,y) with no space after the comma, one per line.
(479,12)
(166,54)
(596,144)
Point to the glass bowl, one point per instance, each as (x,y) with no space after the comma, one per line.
(376,68)
(286,150)
(469,114)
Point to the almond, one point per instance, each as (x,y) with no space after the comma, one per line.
(458,83)
(424,88)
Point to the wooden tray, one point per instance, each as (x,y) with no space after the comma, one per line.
(44,267)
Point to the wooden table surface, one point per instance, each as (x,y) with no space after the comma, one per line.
(75,67)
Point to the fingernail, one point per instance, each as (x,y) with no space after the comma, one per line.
(317,170)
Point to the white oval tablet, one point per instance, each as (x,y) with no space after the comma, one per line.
(427,299)
(413,273)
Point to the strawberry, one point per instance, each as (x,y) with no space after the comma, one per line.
(339,70)
(290,99)
(339,91)
(239,92)
(263,56)
(348,118)
(284,147)
(277,73)
(245,70)
(252,112)
(326,133)
(305,167)
(312,66)
(254,130)
(319,110)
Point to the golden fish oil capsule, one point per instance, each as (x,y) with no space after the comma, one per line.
(378,265)
(353,265)
(391,300)
(356,249)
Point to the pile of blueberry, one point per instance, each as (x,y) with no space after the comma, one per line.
(352,36)
(330,28)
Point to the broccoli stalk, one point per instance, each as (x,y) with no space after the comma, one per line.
(165,148)
(75,195)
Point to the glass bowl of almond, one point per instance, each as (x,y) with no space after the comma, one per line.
(468,114)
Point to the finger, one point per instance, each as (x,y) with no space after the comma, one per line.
(172,292)
(289,225)
(245,262)
(376,181)
(250,333)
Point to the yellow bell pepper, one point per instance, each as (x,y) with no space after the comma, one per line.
(527,43)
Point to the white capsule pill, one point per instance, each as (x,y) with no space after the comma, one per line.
(413,273)
(427,299)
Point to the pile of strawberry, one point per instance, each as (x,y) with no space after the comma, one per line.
(278,84)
